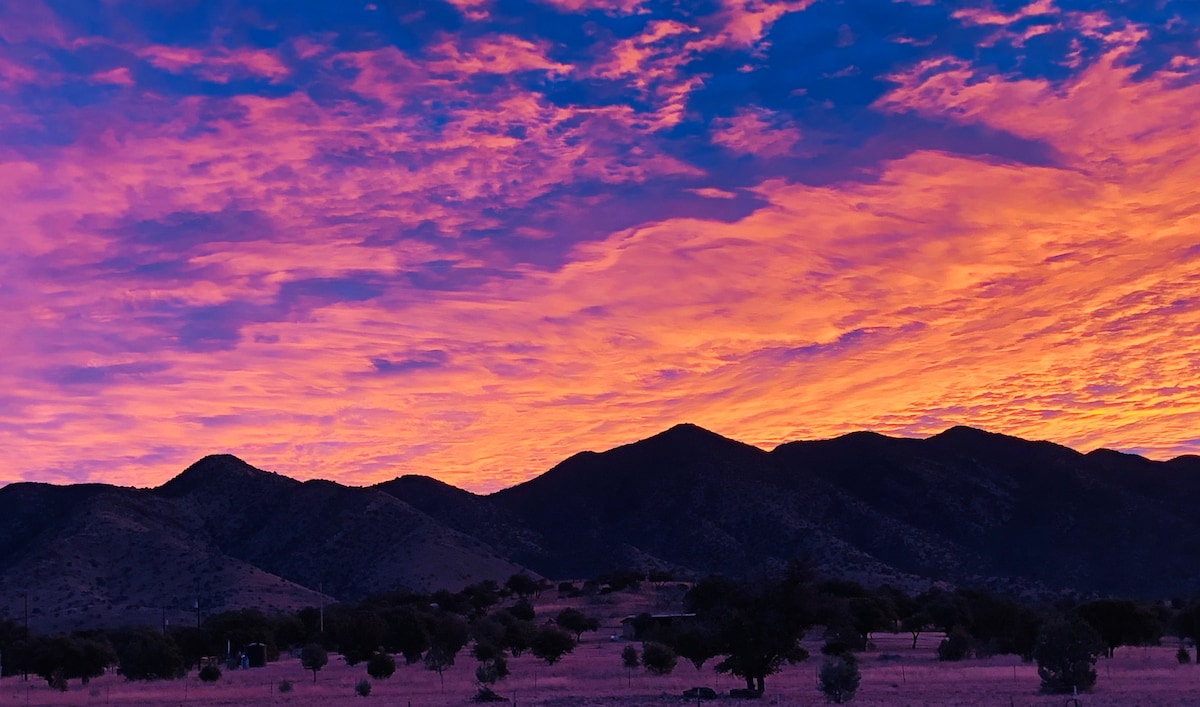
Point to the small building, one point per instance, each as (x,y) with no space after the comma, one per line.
(645,626)
(256,655)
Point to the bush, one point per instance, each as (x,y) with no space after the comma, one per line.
(629,656)
(839,678)
(1066,653)
(210,673)
(1183,656)
(362,688)
(285,686)
(836,647)
(658,658)
(381,666)
(145,654)
(955,646)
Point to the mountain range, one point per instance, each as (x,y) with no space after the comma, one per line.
(964,507)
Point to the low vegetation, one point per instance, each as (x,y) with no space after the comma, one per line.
(752,631)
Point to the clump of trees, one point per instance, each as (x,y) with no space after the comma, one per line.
(748,629)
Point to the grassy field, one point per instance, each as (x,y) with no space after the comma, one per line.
(592,676)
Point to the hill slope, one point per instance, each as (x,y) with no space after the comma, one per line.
(964,506)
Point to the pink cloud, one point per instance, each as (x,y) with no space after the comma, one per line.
(989,16)
(119,76)
(499,54)
(216,63)
(618,7)
(756,131)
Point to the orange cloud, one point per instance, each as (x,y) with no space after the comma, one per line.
(1052,301)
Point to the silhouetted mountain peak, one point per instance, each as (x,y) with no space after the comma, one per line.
(686,435)
(965,433)
(220,470)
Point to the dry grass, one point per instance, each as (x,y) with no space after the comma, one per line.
(894,675)
(592,677)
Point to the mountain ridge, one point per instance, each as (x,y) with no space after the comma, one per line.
(964,506)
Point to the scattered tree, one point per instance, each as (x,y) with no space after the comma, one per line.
(381,666)
(576,622)
(448,636)
(1066,654)
(839,678)
(631,661)
(313,657)
(658,658)
(1121,622)
(551,643)
(521,585)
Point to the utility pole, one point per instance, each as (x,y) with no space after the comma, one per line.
(321,612)
(25,663)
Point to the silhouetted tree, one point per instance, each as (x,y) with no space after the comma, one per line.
(359,635)
(313,657)
(658,658)
(696,643)
(521,585)
(630,659)
(757,629)
(448,636)
(381,666)
(551,643)
(61,657)
(576,622)
(1121,622)
(1066,654)
(406,631)
(146,654)
(522,610)
(955,646)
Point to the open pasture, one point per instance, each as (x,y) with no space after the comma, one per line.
(592,676)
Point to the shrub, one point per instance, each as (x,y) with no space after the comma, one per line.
(1066,653)
(381,666)
(210,673)
(836,647)
(629,656)
(658,658)
(285,686)
(1183,656)
(839,678)
(145,654)
(955,646)
(362,688)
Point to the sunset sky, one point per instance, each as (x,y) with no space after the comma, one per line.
(469,238)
